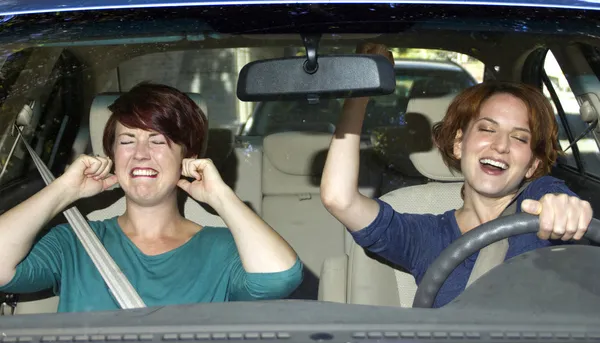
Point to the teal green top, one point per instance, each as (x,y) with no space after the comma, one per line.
(207,268)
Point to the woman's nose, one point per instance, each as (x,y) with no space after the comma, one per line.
(142,152)
(501,144)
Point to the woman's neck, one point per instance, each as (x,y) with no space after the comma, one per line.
(160,220)
(478,209)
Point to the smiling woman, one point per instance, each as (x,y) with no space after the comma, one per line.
(517,112)
(155,135)
(503,138)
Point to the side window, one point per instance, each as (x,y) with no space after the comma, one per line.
(566,108)
(54,124)
(61,113)
(9,73)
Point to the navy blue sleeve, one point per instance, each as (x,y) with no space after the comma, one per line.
(545,185)
(401,238)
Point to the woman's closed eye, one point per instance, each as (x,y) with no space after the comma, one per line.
(521,139)
(125,142)
(159,142)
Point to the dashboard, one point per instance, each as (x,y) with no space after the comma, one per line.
(546,295)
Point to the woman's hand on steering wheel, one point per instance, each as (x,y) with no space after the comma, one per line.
(207,185)
(561,216)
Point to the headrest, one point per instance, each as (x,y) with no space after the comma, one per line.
(389,100)
(297,153)
(99,114)
(430,163)
(410,148)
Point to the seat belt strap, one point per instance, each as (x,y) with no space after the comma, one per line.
(495,253)
(117,282)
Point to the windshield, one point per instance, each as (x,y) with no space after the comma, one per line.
(60,71)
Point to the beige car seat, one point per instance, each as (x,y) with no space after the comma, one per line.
(292,166)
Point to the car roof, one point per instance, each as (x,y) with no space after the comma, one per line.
(42,6)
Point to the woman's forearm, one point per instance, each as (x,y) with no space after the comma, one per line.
(20,225)
(339,183)
(261,249)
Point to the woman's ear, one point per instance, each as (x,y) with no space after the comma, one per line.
(457,150)
(533,167)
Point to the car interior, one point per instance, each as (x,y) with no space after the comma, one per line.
(68,83)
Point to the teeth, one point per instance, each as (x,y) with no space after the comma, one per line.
(494,163)
(144,172)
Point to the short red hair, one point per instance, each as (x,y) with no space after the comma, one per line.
(466,107)
(160,108)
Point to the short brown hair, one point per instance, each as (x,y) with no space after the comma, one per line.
(466,106)
(163,109)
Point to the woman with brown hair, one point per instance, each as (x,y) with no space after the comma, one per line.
(498,135)
(155,135)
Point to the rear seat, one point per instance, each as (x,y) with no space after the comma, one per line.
(292,166)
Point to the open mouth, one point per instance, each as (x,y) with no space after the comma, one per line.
(491,166)
(143,172)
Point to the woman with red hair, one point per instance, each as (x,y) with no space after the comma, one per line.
(155,135)
(498,135)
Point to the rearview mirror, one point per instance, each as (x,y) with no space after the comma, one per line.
(335,76)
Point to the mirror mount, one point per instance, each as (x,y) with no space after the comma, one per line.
(311,44)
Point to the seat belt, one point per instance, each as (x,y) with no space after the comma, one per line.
(117,282)
(495,253)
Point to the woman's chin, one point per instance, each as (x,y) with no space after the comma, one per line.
(490,190)
(149,196)
(144,198)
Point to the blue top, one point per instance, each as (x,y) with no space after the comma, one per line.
(207,268)
(414,241)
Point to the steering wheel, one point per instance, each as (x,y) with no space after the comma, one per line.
(475,240)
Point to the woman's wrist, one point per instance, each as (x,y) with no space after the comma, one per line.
(222,197)
(357,102)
